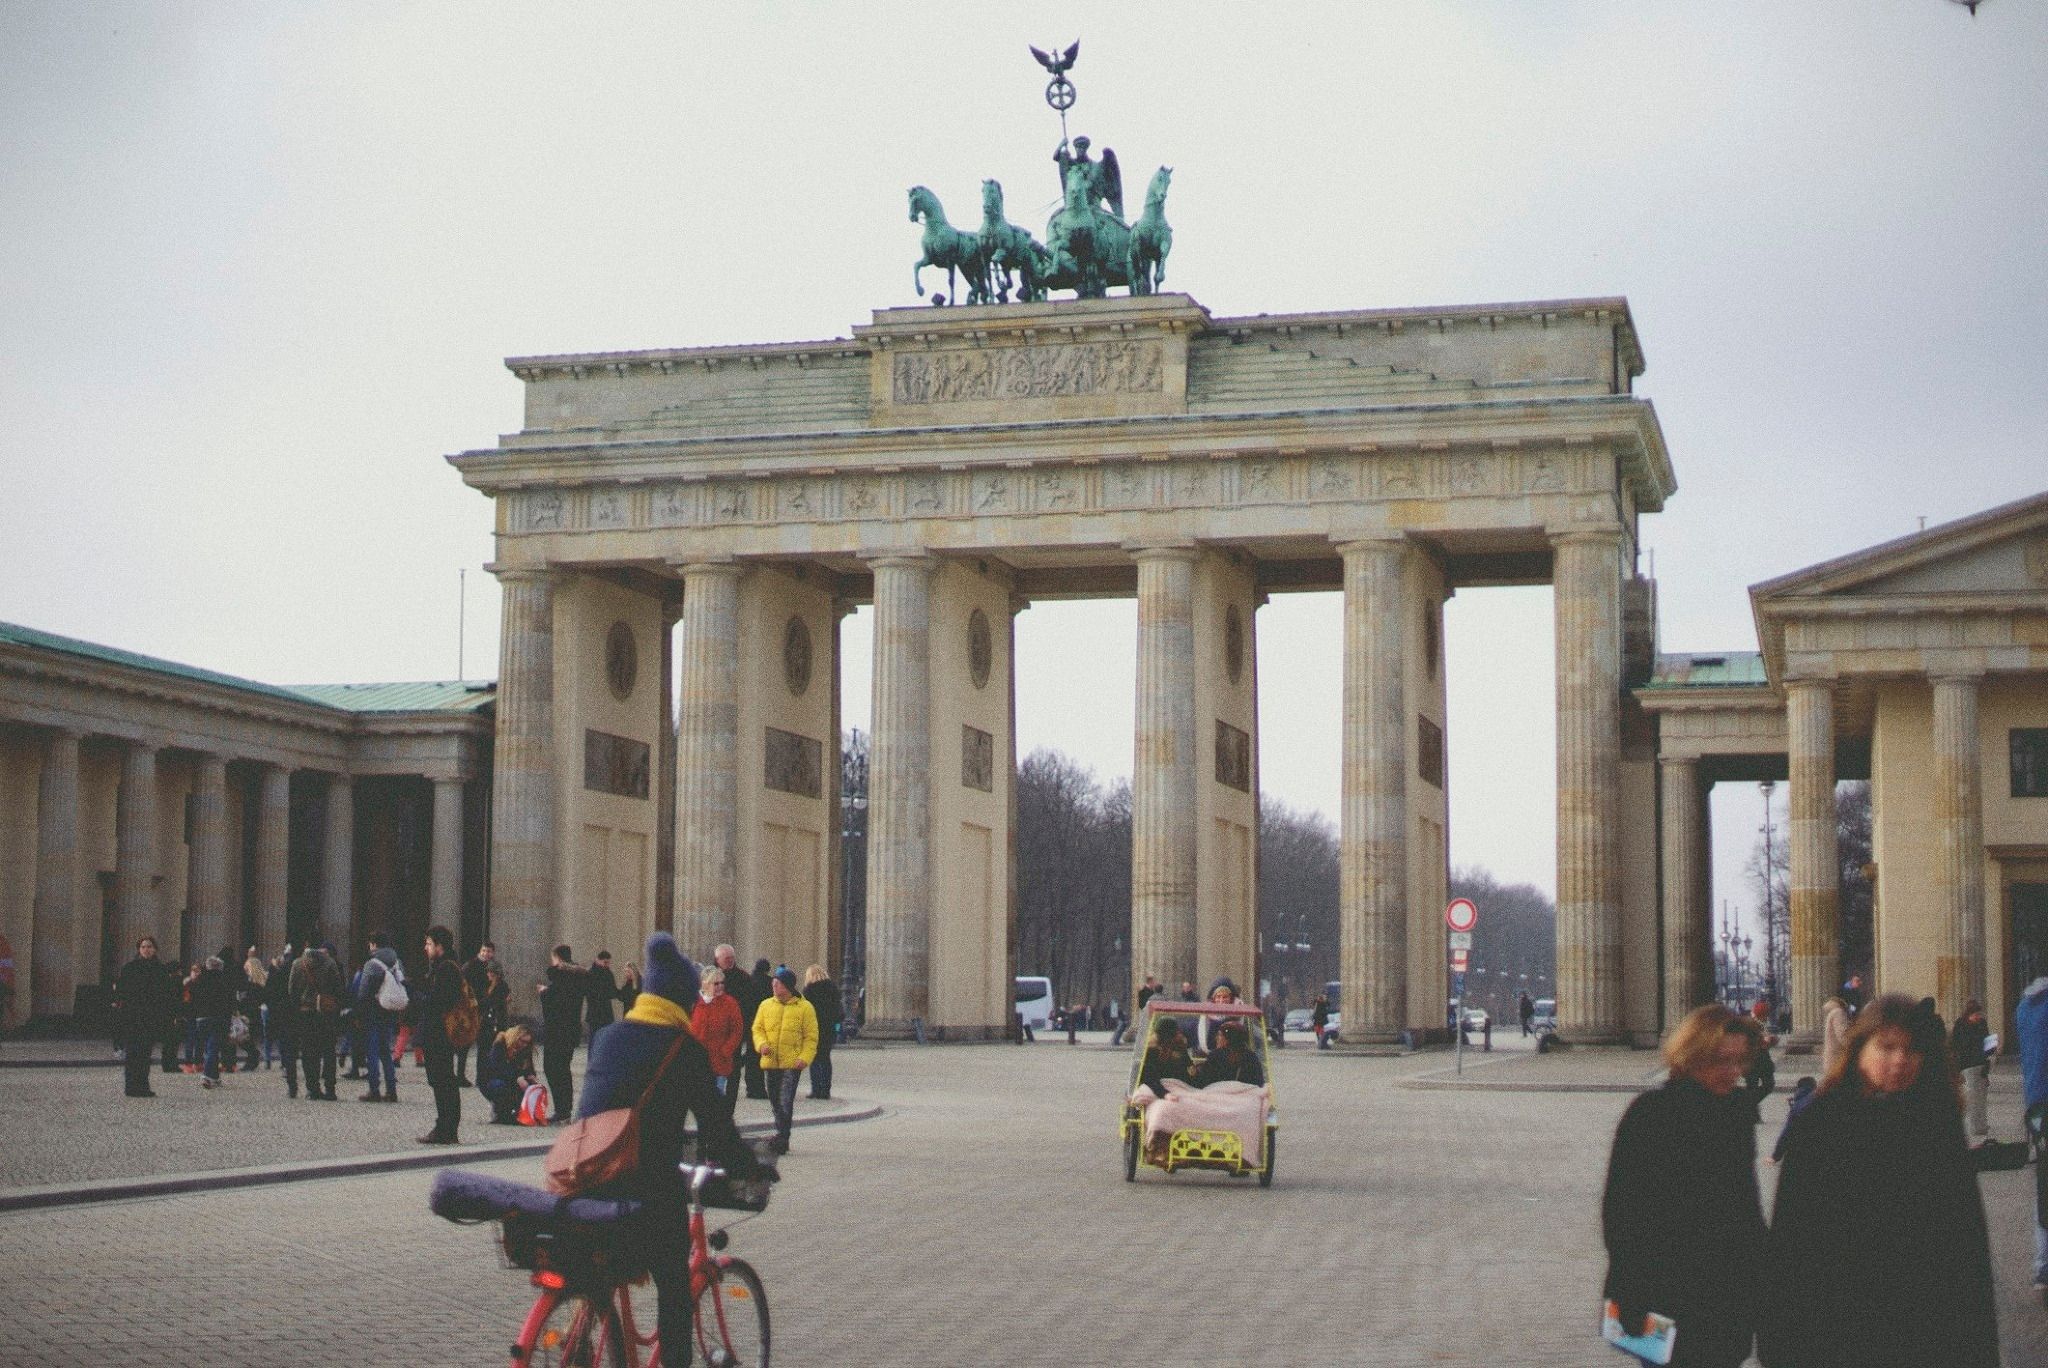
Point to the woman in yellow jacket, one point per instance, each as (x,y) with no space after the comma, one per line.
(786,1038)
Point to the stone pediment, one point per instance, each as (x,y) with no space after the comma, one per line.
(2002,551)
(1967,597)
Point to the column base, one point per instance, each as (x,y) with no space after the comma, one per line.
(906,1028)
(1588,1037)
(1800,1043)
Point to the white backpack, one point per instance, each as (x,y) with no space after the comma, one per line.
(391,995)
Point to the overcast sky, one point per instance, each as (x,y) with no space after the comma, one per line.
(259,265)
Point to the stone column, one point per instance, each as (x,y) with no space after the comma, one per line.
(523,779)
(1163,772)
(444,884)
(900,798)
(1685,910)
(135,900)
(207,874)
(273,858)
(338,867)
(55,915)
(1959,829)
(665,777)
(1372,895)
(707,763)
(1587,578)
(1815,875)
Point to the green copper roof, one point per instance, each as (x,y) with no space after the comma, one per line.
(433,696)
(1727,670)
(458,696)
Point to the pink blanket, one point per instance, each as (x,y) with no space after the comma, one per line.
(1239,1108)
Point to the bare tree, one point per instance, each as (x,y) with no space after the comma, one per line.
(1514,949)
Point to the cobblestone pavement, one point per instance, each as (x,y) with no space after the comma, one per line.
(982,1219)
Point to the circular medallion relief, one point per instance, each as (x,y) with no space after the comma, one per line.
(1233,643)
(980,650)
(796,656)
(621,661)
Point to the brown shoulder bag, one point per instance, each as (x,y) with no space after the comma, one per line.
(599,1148)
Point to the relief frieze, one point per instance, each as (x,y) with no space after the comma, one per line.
(1050,372)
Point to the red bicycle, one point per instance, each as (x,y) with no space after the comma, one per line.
(585,1315)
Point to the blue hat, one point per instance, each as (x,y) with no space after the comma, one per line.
(669,973)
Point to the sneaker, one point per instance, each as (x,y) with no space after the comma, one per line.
(371,1097)
(209,1082)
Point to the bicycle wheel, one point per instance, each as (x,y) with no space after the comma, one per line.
(578,1332)
(732,1318)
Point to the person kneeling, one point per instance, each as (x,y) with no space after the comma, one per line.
(505,1074)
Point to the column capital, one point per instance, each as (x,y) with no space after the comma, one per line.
(697,568)
(521,574)
(1595,534)
(1144,551)
(1679,762)
(213,762)
(1391,543)
(1805,683)
(1955,676)
(1018,604)
(905,558)
(140,745)
(72,734)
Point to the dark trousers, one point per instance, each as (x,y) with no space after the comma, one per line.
(136,1052)
(554,1062)
(782,1098)
(447,1093)
(316,1049)
(757,1086)
(287,1042)
(821,1071)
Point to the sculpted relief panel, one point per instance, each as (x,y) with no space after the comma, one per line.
(1083,368)
(1024,489)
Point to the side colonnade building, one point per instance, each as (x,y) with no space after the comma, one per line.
(142,797)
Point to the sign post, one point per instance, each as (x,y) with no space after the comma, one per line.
(1461,915)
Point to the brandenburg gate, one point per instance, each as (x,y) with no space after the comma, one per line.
(950,466)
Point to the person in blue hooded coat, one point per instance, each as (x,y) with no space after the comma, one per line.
(652,1045)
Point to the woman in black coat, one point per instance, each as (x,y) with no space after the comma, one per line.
(1878,1254)
(1681,1215)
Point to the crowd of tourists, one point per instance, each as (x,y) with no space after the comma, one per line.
(1876,1251)
(305,1013)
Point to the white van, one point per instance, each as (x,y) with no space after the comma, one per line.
(1034,1001)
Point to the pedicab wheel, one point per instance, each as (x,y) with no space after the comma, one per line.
(1131,1143)
(1266,1173)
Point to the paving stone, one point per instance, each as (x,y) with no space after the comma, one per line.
(983,1218)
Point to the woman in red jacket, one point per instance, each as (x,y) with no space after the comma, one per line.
(719,1027)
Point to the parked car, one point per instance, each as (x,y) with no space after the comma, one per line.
(1298,1019)
(1545,1020)
(1475,1019)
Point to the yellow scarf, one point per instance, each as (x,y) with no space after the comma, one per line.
(658,1011)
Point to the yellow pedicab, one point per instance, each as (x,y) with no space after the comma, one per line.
(1239,1144)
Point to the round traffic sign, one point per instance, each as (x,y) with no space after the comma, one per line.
(1461,915)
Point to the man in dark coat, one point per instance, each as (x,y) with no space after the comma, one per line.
(561,1028)
(439,992)
(477,974)
(601,993)
(624,1062)
(316,988)
(284,1019)
(759,989)
(213,1002)
(145,997)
